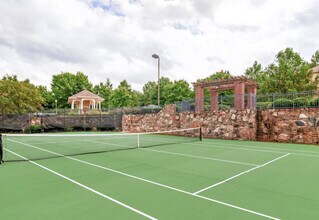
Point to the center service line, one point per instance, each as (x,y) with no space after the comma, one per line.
(240,174)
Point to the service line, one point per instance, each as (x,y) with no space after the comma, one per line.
(240,174)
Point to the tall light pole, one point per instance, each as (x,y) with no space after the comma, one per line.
(56,107)
(155,56)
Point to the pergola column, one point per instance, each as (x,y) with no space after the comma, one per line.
(239,98)
(213,100)
(199,98)
(251,102)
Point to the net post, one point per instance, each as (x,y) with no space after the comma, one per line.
(1,149)
(200,134)
(138,140)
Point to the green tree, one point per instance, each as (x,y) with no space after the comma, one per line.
(217,75)
(19,96)
(255,72)
(123,95)
(165,84)
(149,95)
(177,91)
(66,84)
(105,91)
(137,98)
(47,96)
(315,59)
(150,91)
(289,73)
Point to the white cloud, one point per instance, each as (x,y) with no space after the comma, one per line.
(115,39)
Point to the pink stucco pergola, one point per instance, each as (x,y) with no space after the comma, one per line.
(239,84)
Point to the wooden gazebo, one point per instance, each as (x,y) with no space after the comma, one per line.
(239,84)
(85,101)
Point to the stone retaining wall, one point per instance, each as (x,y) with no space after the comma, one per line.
(288,125)
(230,124)
(279,125)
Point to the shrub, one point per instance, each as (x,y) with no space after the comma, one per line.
(314,102)
(34,129)
(264,105)
(68,129)
(301,102)
(224,107)
(283,103)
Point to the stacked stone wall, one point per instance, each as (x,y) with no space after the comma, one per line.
(289,125)
(167,119)
(232,124)
(274,125)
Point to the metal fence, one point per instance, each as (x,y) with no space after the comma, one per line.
(308,99)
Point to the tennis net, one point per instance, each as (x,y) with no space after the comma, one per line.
(45,146)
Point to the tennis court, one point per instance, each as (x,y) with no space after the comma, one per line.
(128,176)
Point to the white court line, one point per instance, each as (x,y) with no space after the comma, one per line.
(262,149)
(154,183)
(214,145)
(120,145)
(224,146)
(86,187)
(199,157)
(179,154)
(273,148)
(240,174)
(72,141)
(255,149)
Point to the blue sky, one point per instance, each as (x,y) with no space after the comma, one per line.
(115,39)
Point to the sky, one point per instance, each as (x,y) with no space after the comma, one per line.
(115,39)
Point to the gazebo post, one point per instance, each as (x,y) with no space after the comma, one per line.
(72,106)
(81,106)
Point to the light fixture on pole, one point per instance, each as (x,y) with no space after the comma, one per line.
(56,107)
(155,56)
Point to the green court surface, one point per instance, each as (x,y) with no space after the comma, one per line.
(182,179)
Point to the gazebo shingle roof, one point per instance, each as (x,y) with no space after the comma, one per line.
(85,94)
